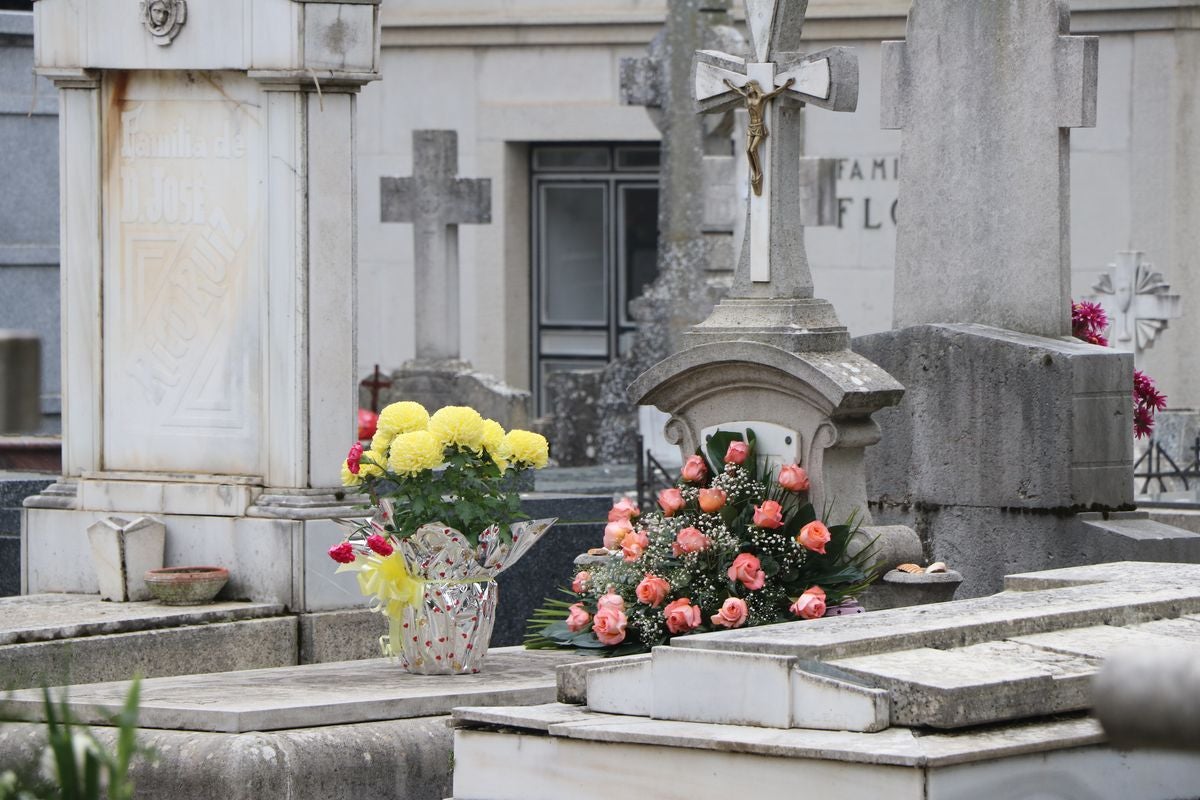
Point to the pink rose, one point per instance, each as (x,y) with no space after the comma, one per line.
(670,501)
(580,584)
(624,509)
(633,545)
(712,500)
(694,469)
(609,626)
(793,478)
(653,590)
(611,600)
(747,570)
(578,619)
(768,515)
(342,553)
(737,453)
(733,613)
(814,536)
(380,545)
(682,616)
(689,540)
(811,604)
(615,532)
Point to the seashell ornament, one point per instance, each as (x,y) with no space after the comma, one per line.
(911,569)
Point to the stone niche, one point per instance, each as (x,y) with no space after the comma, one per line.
(812,408)
(208,247)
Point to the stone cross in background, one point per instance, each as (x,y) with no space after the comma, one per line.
(1138,302)
(436,202)
(774,85)
(984,217)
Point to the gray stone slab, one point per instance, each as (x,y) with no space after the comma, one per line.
(1045,423)
(346,635)
(1171,590)
(178,650)
(1097,642)
(46,617)
(955,688)
(305,696)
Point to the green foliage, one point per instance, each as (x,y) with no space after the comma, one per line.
(83,768)
(470,493)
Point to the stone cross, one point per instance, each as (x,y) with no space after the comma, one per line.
(986,93)
(1138,302)
(774,84)
(436,202)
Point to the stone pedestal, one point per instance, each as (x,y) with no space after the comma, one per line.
(208,256)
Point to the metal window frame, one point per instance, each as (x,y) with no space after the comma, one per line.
(616,320)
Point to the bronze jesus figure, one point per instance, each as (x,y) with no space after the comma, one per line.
(756,104)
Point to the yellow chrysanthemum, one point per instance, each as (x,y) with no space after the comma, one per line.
(348,477)
(460,426)
(414,452)
(381,441)
(372,464)
(526,447)
(403,417)
(493,436)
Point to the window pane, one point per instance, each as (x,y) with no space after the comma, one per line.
(639,239)
(573,254)
(637,158)
(566,159)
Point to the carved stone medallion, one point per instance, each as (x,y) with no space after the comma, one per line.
(163,19)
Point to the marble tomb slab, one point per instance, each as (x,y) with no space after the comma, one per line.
(308,696)
(49,617)
(1015,655)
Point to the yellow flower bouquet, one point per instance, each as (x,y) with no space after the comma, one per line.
(446,522)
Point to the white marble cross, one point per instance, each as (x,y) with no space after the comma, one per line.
(828,79)
(436,201)
(1137,300)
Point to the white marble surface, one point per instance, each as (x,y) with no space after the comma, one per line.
(308,696)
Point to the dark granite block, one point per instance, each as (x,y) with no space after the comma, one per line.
(10,566)
(538,575)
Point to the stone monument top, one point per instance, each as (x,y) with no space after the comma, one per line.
(771,356)
(990,246)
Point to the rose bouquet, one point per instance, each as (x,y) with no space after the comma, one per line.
(734,543)
(445,523)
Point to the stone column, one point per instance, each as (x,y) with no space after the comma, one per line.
(208,251)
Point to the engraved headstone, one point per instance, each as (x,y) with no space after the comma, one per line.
(986,94)
(1137,300)
(208,258)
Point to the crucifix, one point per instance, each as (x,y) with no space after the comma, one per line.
(773,85)
(1138,302)
(436,201)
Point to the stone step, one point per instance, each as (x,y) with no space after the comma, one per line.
(63,639)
